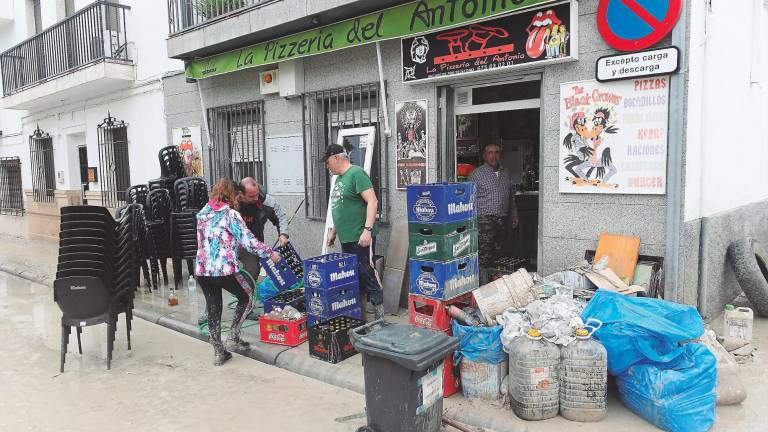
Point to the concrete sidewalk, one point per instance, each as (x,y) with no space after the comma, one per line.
(36,261)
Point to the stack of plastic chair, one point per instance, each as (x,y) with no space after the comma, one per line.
(96,273)
(171,169)
(191,195)
(157,213)
(140,240)
(137,194)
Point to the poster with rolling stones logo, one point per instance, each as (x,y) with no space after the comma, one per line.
(538,35)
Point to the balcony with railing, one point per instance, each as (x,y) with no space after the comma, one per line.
(85,53)
(187,14)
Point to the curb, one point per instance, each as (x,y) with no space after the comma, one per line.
(282,357)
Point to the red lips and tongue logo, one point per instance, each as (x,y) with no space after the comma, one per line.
(538,34)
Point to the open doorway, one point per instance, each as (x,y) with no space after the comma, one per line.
(506,114)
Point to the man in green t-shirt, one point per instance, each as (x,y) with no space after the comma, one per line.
(353,208)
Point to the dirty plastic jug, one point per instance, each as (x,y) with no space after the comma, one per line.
(534,381)
(737,322)
(583,378)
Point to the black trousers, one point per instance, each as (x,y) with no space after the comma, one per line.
(367,275)
(212,287)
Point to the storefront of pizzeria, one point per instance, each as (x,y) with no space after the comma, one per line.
(430,94)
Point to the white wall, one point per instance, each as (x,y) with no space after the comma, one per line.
(148,29)
(727,143)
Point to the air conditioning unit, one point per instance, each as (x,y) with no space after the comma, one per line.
(291,78)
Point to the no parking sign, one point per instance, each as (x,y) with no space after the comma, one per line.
(631,25)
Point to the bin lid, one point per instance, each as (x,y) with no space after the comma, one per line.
(411,347)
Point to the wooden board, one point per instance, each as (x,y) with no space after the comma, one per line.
(622,252)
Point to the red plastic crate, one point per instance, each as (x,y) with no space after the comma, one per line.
(290,333)
(430,313)
(451,381)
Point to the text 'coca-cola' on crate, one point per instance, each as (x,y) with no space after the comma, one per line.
(331,270)
(431,313)
(350,312)
(294,298)
(329,340)
(443,280)
(282,332)
(441,202)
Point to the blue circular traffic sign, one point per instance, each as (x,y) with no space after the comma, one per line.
(630,25)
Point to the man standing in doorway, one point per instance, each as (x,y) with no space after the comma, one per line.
(353,207)
(256,208)
(495,204)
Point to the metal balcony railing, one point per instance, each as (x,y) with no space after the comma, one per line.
(94,34)
(185,14)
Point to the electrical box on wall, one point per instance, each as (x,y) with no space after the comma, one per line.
(60,176)
(269,82)
(292,78)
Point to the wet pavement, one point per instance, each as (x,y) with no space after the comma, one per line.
(166,382)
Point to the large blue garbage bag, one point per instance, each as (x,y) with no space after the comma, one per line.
(676,396)
(639,330)
(267,289)
(478,344)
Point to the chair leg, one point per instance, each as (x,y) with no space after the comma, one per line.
(79,344)
(176,273)
(145,270)
(110,331)
(164,268)
(191,267)
(128,327)
(64,343)
(155,271)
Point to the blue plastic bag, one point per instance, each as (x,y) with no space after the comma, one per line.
(478,344)
(267,289)
(676,396)
(639,330)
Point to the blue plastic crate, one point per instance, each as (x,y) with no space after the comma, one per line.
(441,202)
(329,271)
(281,274)
(444,280)
(294,298)
(328,302)
(352,313)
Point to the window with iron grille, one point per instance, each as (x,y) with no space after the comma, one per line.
(325,113)
(11,194)
(114,166)
(239,145)
(41,158)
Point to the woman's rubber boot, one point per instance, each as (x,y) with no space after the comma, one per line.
(220,356)
(234,343)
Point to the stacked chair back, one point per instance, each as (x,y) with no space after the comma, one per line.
(141,242)
(158,212)
(96,272)
(171,164)
(190,193)
(137,194)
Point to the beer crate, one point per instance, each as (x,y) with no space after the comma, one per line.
(430,313)
(441,202)
(442,228)
(425,245)
(292,258)
(329,302)
(282,332)
(281,273)
(329,340)
(294,298)
(451,379)
(356,313)
(331,270)
(443,280)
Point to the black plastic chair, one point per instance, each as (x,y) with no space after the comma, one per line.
(184,243)
(190,194)
(157,213)
(171,164)
(137,194)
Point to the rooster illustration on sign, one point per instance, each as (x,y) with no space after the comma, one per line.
(588,150)
(547,33)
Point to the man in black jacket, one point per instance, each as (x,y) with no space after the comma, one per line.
(257,208)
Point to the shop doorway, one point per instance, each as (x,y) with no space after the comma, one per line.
(507,114)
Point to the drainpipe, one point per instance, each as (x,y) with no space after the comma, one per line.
(387,130)
(673,291)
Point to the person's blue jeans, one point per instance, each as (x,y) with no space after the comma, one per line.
(366,273)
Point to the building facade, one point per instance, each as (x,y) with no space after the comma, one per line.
(82,106)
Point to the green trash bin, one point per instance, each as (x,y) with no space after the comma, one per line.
(403,369)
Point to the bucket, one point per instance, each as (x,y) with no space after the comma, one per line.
(482,380)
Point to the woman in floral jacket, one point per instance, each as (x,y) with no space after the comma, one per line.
(220,233)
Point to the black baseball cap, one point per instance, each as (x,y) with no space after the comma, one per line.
(332,150)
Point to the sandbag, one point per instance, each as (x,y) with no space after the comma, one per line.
(639,330)
(478,344)
(678,395)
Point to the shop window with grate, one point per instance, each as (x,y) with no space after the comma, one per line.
(11,193)
(41,158)
(325,113)
(114,167)
(239,145)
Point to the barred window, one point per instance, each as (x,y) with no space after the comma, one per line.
(11,194)
(43,174)
(325,113)
(237,134)
(114,166)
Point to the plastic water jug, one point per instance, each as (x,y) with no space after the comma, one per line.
(583,378)
(737,322)
(534,382)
